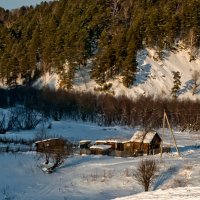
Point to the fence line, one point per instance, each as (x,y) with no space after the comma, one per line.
(9,148)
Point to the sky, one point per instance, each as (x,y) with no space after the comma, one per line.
(12,4)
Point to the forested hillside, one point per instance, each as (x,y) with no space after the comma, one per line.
(37,40)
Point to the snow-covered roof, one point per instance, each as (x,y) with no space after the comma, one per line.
(112,141)
(139,136)
(102,147)
(49,139)
(100,141)
(85,141)
(122,140)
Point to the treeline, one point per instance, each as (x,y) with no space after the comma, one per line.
(146,112)
(36,40)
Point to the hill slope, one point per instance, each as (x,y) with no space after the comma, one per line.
(154,76)
(41,40)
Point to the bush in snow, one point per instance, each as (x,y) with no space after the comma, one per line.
(145,173)
(23,119)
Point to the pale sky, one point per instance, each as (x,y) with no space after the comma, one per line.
(11,4)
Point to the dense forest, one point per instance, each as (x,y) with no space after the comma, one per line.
(26,104)
(36,40)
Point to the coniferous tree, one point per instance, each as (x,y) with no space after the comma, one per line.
(68,77)
(129,71)
(13,66)
(176,83)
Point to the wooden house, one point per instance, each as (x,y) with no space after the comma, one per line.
(51,145)
(100,149)
(144,142)
(140,143)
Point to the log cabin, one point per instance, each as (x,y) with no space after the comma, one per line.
(51,145)
(144,143)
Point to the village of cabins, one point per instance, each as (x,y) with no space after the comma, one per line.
(140,143)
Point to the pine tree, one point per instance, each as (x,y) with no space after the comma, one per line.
(67,77)
(176,84)
(129,70)
(13,68)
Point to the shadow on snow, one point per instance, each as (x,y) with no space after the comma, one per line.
(143,70)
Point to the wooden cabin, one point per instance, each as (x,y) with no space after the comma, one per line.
(100,149)
(51,145)
(144,143)
(140,143)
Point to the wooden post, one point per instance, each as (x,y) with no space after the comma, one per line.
(161,150)
(165,115)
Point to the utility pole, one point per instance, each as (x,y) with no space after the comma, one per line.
(161,150)
(171,131)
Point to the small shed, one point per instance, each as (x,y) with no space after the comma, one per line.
(84,147)
(100,149)
(144,142)
(51,145)
(116,144)
(85,144)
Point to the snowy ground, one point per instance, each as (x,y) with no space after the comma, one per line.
(75,131)
(184,193)
(100,177)
(154,76)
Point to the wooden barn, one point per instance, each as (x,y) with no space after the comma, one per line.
(51,145)
(144,143)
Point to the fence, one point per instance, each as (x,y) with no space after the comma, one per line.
(16,148)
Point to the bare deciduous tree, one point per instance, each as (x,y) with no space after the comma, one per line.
(23,119)
(54,153)
(196,83)
(2,123)
(115,7)
(193,38)
(146,173)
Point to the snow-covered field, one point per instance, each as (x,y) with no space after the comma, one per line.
(183,193)
(75,131)
(100,177)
